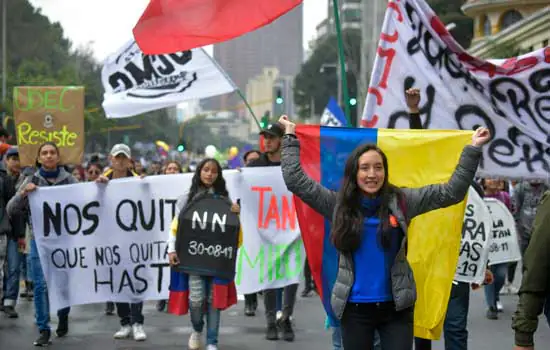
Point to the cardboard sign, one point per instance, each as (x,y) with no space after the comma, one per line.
(49,113)
(208,235)
(476,236)
(504,246)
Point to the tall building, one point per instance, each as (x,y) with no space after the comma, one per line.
(272,93)
(278,44)
(350,17)
(520,24)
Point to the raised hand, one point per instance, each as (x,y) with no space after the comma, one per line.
(412,97)
(290,127)
(481,137)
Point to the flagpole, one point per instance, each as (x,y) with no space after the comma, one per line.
(342,60)
(249,108)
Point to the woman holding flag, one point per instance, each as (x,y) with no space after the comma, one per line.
(374,288)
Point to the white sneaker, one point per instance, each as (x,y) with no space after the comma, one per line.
(139,333)
(499,306)
(195,341)
(123,333)
(279,315)
(212,347)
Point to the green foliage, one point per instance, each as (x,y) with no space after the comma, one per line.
(40,55)
(310,83)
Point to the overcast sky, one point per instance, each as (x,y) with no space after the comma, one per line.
(107,24)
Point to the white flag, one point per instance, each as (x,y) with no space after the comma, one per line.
(459,91)
(135,83)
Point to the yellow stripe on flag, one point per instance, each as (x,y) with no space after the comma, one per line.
(417,158)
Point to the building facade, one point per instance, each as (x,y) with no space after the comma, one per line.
(522,24)
(278,44)
(350,18)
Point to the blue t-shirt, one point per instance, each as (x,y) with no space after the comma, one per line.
(373,264)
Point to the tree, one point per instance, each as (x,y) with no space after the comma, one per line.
(310,85)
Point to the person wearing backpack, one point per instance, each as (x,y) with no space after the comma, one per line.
(50,173)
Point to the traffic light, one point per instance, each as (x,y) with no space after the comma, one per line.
(181,146)
(265,120)
(353,101)
(279,97)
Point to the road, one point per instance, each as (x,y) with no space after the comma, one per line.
(90,329)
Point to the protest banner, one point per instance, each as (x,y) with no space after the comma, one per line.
(476,234)
(510,97)
(109,242)
(49,113)
(504,245)
(272,254)
(208,236)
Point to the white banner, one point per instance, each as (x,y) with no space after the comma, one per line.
(511,97)
(273,254)
(476,235)
(135,83)
(108,243)
(504,245)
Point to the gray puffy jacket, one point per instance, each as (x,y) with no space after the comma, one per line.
(417,201)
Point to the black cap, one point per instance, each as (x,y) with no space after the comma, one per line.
(274,129)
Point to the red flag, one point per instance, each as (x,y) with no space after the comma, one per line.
(169,26)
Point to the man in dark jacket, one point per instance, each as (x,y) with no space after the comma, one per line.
(273,135)
(16,236)
(535,285)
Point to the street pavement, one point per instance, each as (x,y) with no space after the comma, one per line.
(91,329)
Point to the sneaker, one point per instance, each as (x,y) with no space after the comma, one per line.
(123,333)
(492,314)
(500,308)
(10,312)
(272,332)
(194,341)
(306,292)
(161,305)
(279,315)
(139,333)
(62,327)
(249,311)
(109,308)
(43,339)
(288,332)
(211,347)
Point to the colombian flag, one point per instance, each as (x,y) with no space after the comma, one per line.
(415,158)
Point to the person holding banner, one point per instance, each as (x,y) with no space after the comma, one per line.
(374,288)
(50,173)
(203,259)
(492,189)
(130,314)
(534,293)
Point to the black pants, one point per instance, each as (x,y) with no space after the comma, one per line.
(308,279)
(251,300)
(270,303)
(130,314)
(396,328)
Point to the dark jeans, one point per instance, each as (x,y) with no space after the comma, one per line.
(396,328)
(270,302)
(492,290)
(456,321)
(308,279)
(512,272)
(130,314)
(251,300)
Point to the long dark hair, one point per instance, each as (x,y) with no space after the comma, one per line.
(347,228)
(47,143)
(196,183)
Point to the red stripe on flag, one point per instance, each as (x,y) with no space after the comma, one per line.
(169,26)
(311,223)
(178,303)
